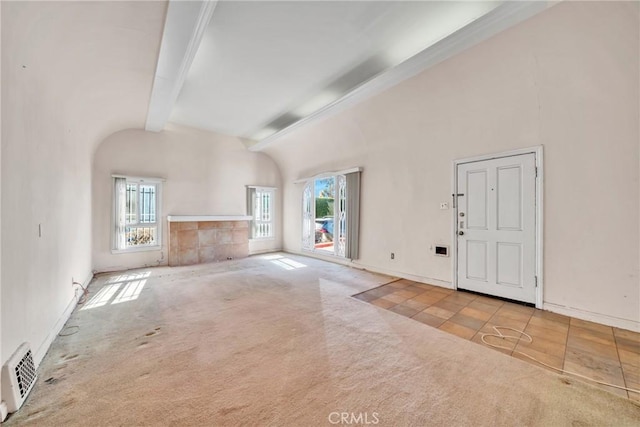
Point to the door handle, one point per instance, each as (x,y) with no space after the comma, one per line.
(454,198)
(461,233)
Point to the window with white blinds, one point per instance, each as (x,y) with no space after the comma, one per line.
(136,218)
(261,207)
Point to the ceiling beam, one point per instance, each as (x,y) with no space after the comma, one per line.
(183,32)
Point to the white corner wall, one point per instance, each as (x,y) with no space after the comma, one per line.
(206,174)
(72,72)
(1,134)
(566,79)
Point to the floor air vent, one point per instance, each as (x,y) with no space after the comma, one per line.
(18,377)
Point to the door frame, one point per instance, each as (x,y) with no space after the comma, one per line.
(539,233)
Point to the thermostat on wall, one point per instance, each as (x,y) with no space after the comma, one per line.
(442,250)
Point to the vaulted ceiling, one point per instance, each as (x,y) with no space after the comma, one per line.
(255,69)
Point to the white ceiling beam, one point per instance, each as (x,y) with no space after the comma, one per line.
(183,32)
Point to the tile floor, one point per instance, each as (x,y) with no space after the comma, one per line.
(607,354)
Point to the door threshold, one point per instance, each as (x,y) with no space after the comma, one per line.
(526,304)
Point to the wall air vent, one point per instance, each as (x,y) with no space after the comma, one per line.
(18,377)
(442,250)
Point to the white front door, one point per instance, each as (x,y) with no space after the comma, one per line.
(496,227)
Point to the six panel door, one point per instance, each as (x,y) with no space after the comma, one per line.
(496,227)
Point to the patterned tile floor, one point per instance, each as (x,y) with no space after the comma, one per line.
(601,352)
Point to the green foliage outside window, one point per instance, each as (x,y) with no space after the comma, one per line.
(324,207)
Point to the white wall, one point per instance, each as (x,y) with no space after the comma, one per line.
(566,79)
(72,72)
(206,174)
(1,414)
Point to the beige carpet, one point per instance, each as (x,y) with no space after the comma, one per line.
(271,342)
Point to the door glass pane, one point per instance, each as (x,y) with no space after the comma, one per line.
(325,194)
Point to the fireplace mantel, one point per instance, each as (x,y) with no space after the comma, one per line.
(203,218)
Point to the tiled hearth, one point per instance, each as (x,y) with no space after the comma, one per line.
(196,242)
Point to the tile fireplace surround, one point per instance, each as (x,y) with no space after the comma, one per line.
(207,238)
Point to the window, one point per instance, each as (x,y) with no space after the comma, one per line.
(260,206)
(330,214)
(136,216)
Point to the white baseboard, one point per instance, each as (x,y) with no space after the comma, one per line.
(264,251)
(327,258)
(375,269)
(39,354)
(408,276)
(603,319)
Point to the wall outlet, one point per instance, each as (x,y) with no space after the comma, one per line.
(393,256)
(444,205)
